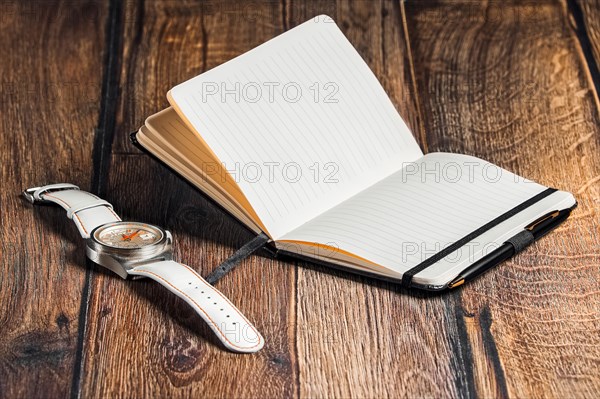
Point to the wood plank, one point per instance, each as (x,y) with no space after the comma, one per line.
(590,10)
(143,341)
(514,89)
(358,337)
(51,82)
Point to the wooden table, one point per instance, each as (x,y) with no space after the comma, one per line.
(514,82)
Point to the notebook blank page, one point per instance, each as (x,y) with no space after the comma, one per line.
(300,122)
(416,212)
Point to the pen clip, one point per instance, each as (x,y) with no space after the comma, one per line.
(535,223)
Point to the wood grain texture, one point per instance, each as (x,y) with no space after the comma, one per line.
(51,73)
(510,84)
(591,19)
(142,341)
(505,81)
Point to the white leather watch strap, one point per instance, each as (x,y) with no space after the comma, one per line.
(87,210)
(228,323)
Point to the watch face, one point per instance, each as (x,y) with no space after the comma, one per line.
(128,235)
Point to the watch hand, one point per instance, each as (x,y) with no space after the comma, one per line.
(130,236)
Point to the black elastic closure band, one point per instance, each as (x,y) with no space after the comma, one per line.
(230,263)
(408,275)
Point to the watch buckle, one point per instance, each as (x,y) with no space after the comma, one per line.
(34,194)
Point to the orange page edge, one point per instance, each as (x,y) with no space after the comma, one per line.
(243,201)
(334,249)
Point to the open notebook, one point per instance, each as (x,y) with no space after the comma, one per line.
(297,139)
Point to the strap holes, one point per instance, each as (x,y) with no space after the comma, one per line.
(202,292)
(221,310)
(208,297)
(227,316)
(190,283)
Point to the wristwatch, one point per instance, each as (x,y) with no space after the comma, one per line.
(136,250)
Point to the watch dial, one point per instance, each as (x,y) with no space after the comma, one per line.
(128,235)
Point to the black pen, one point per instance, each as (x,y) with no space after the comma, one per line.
(538,228)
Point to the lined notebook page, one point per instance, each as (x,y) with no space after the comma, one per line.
(300,122)
(416,212)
